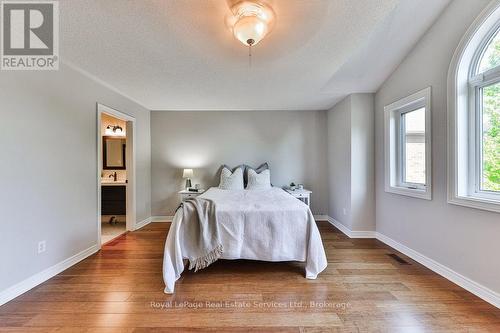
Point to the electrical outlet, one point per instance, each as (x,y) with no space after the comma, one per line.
(345,211)
(42,245)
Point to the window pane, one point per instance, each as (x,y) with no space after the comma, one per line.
(491,56)
(490,120)
(414,146)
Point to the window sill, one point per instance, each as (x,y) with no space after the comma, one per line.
(415,193)
(477,203)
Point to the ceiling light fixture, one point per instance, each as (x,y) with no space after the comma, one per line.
(250,21)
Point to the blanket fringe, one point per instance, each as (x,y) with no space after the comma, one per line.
(206,260)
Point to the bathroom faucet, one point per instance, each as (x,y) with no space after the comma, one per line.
(113,175)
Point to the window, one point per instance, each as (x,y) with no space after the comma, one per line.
(413,148)
(408,146)
(474,116)
(490,57)
(489,139)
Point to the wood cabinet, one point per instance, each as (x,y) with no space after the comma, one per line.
(114,200)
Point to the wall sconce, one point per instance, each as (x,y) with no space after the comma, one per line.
(114,130)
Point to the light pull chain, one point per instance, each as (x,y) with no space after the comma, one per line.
(250,42)
(249,55)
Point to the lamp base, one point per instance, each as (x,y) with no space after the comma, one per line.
(188,183)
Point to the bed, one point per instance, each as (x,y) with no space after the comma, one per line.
(266,225)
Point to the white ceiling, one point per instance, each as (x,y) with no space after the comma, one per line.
(179,55)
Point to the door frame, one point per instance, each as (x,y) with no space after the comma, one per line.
(131,166)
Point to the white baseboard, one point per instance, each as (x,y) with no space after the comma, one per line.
(351,233)
(340,226)
(162,218)
(321,217)
(477,289)
(142,223)
(33,281)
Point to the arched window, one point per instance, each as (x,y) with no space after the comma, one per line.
(489,57)
(474,115)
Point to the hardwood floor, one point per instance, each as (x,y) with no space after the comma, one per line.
(364,289)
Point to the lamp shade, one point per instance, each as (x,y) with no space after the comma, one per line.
(187,173)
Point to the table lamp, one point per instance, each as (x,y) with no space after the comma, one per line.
(188,174)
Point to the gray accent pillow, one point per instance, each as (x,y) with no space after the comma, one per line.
(242,166)
(231,180)
(259,169)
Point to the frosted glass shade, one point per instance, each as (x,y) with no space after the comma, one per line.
(187,173)
(250,30)
(251,21)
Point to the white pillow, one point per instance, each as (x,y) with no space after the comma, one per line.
(259,181)
(231,180)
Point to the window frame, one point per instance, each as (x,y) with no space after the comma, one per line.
(394,150)
(401,147)
(475,131)
(465,86)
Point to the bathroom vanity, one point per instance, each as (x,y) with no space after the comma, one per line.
(113,198)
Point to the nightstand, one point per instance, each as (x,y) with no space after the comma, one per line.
(303,195)
(188,194)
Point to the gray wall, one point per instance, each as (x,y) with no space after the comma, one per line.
(49,167)
(350,162)
(362,162)
(463,239)
(293,142)
(339,162)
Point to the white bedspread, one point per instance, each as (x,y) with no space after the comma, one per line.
(268,225)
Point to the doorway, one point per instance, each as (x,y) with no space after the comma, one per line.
(116,173)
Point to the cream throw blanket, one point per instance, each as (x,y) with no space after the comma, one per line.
(201,234)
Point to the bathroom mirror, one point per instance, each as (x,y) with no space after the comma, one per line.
(113,153)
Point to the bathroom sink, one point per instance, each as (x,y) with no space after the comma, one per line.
(111,182)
